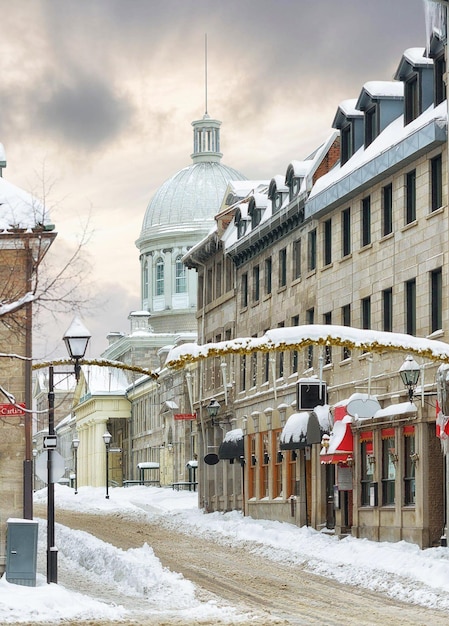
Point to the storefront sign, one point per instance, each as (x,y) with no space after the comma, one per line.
(12,409)
(185,416)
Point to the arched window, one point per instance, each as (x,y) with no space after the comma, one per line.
(160,277)
(180,276)
(145,280)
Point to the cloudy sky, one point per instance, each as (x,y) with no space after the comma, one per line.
(97,99)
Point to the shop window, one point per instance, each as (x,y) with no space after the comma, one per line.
(277,464)
(367,466)
(252,476)
(264,465)
(409,465)
(291,474)
(389,462)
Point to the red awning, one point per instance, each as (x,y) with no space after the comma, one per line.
(341,444)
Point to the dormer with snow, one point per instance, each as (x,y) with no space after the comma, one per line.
(278,192)
(381,103)
(416,72)
(256,207)
(296,172)
(350,122)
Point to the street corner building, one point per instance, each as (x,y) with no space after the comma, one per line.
(25,236)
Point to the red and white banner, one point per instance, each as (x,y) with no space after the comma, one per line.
(185,416)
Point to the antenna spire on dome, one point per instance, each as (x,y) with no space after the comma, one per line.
(205,71)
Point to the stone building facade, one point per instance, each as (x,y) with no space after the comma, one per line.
(356,242)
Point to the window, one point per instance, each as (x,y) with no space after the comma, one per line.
(145,280)
(180,276)
(370,125)
(312,250)
(410,306)
(280,358)
(294,353)
(252,470)
(282,267)
(409,465)
(366,313)
(387,309)
(310,315)
(345,143)
(218,279)
(229,274)
(243,372)
(436,300)
(327,252)
(244,291)
(367,466)
(266,364)
(436,183)
(327,319)
(264,463)
(160,277)
(209,286)
(346,321)
(268,270)
(296,259)
(366,221)
(439,70)
(411,97)
(277,466)
(292,487)
(387,210)
(389,460)
(346,232)
(256,284)
(253,369)
(410,197)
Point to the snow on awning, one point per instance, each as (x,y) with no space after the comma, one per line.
(341,443)
(147,465)
(305,428)
(232,445)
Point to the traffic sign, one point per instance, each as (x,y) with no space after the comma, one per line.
(57,466)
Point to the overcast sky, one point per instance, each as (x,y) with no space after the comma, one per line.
(97,99)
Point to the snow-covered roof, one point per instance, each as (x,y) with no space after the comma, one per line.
(19,209)
(384,89)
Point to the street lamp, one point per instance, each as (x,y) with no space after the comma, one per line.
(212,409)
(76,339)
(75,446)
(409,372)
(107,438)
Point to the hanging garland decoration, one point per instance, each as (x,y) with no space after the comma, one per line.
(100,363)
(299,337)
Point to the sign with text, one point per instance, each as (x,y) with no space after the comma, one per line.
(12,409)
(185,416)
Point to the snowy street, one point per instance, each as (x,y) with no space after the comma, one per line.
(149,556)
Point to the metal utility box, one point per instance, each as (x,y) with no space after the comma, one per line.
(21,551)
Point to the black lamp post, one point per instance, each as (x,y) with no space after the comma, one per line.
(76,339)
(409,372)
(75,446)
(212,409)
(107,438)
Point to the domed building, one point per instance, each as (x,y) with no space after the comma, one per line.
(179,215)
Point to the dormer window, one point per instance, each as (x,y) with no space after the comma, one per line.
(277,192)
(411,98)
(346,149)
(255,213)
(370,125)
(241,228)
